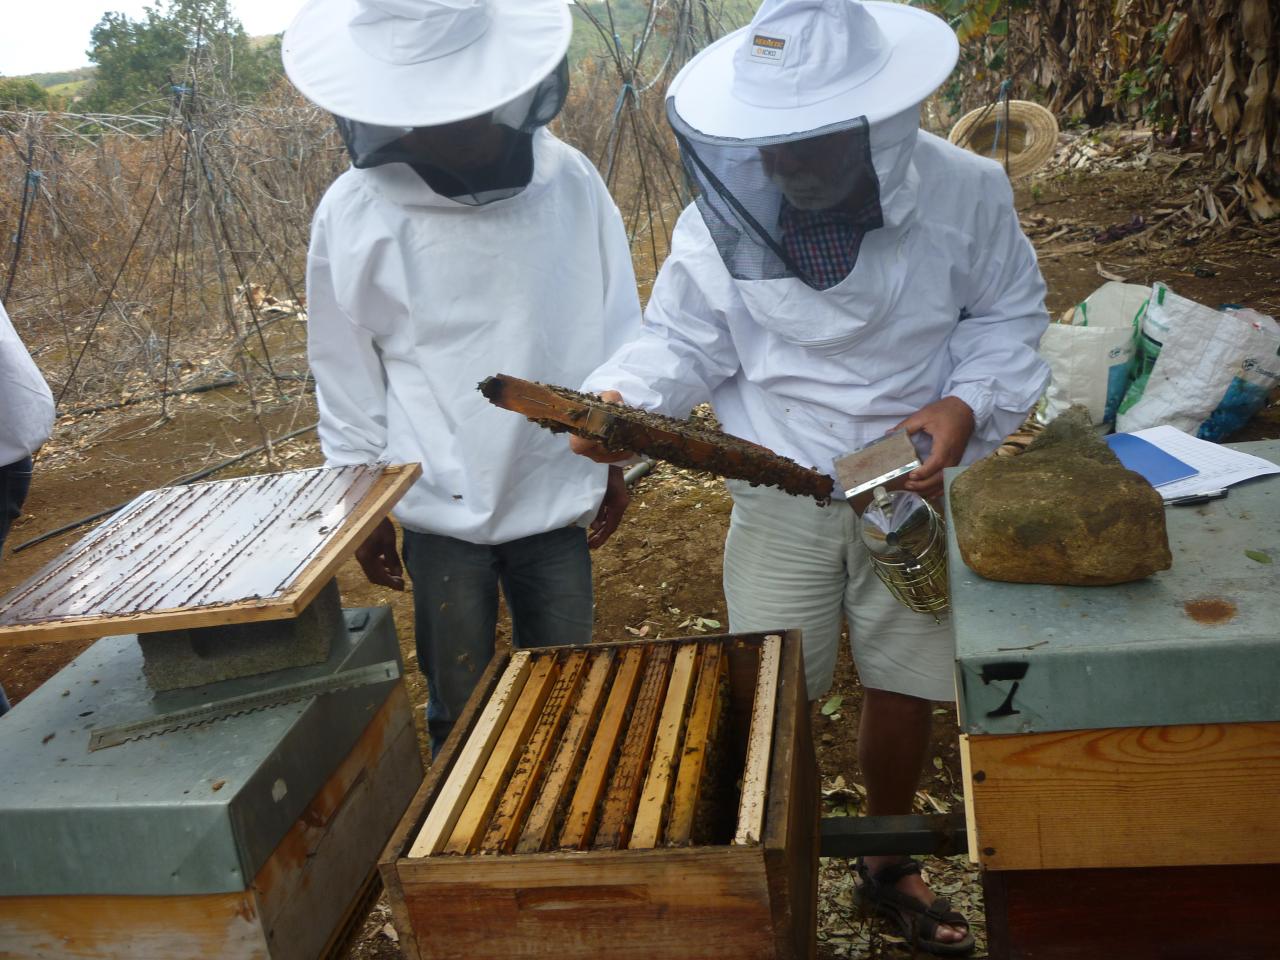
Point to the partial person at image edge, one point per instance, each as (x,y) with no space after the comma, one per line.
(26,420)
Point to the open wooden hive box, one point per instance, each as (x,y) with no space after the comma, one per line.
(649,799)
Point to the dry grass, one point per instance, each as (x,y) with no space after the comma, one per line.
(136,247)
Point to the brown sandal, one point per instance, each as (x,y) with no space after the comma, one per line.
(916,921)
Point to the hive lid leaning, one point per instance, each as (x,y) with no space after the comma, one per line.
(232,551)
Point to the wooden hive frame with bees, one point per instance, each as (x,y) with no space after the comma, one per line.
(652,799)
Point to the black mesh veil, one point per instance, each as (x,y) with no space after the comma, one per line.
(790,206)
(474,161)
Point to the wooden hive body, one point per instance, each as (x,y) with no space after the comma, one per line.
(653,799)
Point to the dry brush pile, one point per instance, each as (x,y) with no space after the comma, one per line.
(138,244)
(1205,73)
(135,248)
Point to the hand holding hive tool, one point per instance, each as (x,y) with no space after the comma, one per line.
(883,462)
(681,442)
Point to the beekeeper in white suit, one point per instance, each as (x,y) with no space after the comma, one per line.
(841,274)
(465,241)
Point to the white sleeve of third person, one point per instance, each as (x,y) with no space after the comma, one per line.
(995,367)
(351,387)
(26,405)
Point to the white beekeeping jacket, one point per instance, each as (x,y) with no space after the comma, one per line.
(945,299)
(413,299)
(26,405)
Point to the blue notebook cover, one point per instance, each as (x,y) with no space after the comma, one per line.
(1146,458)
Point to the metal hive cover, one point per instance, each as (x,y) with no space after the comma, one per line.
(1195,644)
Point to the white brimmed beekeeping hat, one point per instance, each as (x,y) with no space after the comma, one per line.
(419,63)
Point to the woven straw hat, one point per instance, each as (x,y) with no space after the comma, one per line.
(1031,135)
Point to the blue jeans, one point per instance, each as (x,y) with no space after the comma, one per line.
(546,580)
(15,481)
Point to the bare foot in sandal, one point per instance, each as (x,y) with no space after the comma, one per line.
(893,888)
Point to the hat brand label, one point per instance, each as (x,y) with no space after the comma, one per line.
(770,49)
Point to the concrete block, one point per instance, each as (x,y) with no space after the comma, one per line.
(177,659)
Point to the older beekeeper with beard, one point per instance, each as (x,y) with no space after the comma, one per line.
(841,274)
(466,240)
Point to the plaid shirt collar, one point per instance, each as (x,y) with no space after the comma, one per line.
(823,244)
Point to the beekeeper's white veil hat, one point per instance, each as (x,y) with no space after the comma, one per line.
(831,87)
(804,65)
(421,63)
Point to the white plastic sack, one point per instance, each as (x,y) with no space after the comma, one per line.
(1214,368)
(1114,304)
(1086,361)
(1091,357)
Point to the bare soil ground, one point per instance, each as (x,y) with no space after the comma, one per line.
(660,574)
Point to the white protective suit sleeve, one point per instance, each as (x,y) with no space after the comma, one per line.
(684,350)
(995,367)
(26,404)
(351,386)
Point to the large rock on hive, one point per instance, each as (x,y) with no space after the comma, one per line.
(1065,511)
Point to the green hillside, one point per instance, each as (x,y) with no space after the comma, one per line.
(60,78)
(69,90)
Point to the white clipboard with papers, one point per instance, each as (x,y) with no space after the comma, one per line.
(1217,467)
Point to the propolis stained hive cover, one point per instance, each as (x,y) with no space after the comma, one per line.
(230,551)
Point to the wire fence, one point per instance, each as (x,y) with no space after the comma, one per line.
(146,247)
(152,250)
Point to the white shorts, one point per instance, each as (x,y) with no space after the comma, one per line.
(789,562)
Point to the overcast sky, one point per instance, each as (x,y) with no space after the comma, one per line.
(44,36)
